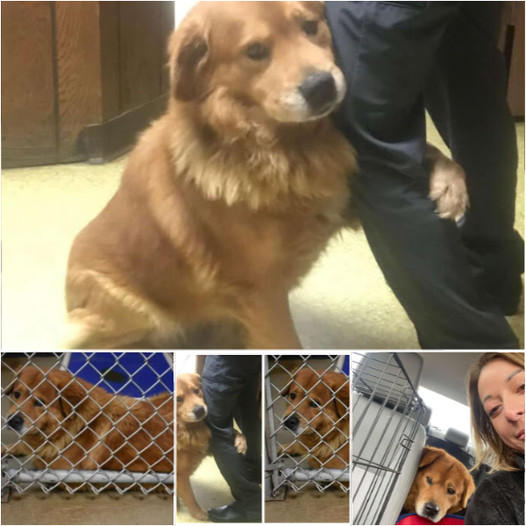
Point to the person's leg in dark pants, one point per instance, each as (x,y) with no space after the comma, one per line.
(248,417)
(466,97)
(228,391)
(386,51)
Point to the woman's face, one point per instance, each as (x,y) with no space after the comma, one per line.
(501,392)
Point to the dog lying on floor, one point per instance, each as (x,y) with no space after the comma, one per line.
(229,198)
(318,415)
(442,485)
(193,438)
(67,423)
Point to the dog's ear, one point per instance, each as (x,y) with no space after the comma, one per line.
(429,455)
(189,53)
(469,489)
(339,383)
(70,390)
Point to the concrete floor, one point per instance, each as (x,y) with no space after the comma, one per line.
(343,304)
(309,506)
(210,489)
(58,507)
(36,508)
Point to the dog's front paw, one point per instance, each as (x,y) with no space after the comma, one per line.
(200,515)
(240,442)
(447,187)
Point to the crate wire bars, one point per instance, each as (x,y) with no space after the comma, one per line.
(20,475)
(388,436)
(282,469)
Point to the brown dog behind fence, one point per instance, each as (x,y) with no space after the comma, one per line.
(67,423)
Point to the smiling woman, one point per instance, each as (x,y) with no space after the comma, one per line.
(496,397)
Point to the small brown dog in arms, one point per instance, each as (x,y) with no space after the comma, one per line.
(318,415)
(67,423)
(442,485)
(229,198)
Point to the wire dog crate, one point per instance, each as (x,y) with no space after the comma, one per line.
(286,470)
(388,433)
(136,375)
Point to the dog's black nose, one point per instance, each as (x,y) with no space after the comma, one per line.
(319,90)
(292,422)
(199,411)
(431,509)
(16,422)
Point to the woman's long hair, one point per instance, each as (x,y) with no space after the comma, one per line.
(488,444)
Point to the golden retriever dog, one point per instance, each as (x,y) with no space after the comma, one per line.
(318,414)
(68,423)
(442,485)
(193,438)
(229,198)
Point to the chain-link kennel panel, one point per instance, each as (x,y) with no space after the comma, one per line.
(307,425)
(87,421)
(388,433)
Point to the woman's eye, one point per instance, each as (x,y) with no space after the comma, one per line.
(310,27)
(521,388)
(257,51)
(292,396)
(494,411)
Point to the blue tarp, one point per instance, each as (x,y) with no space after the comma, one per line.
(137,374)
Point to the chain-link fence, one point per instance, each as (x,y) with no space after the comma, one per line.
(307,425)
(388,433)
(87,421)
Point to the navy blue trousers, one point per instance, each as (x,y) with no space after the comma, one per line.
(399,59)
(230,388)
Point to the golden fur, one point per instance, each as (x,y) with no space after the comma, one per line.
(229,198)
(193,437)
(441,481)
(323,417)
(66,428)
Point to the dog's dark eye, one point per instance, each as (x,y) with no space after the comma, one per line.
(428,480)
(38,403)
(313,403)
(180,398)
(310,27)
(16,394)
(292,396)
(196,391)
(451,491)
(257,51)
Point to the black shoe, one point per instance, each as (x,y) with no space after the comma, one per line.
(229,513)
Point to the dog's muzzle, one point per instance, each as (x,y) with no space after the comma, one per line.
(199,412)
(319,91)
(430,510)
(292,423)
(16,422)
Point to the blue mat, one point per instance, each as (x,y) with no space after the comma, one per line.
(346,364)
(139,375)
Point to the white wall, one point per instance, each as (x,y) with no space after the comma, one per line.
(181,8)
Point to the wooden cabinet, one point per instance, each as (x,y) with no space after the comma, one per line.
(80,79)
(512,43)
